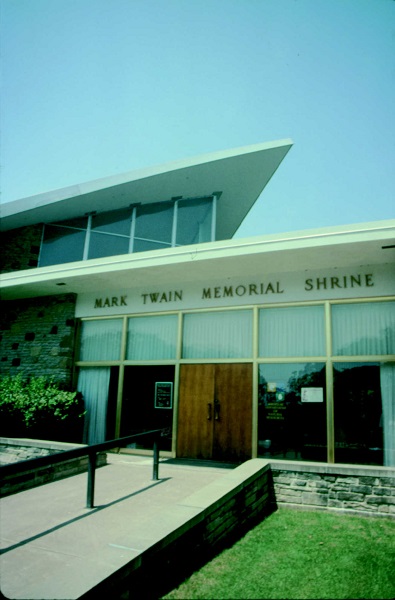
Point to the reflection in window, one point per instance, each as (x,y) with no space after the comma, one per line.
(107,245)
(364,411)
(365,328)
(144,228)
(194,221)
(155,222)
(61,245)
(292,331)
(292,411)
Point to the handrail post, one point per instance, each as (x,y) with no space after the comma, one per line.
(155,475)
(90,495)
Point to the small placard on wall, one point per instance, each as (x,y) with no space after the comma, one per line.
(312,394)
(164,394)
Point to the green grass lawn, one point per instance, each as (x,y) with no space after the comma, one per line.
(297,554)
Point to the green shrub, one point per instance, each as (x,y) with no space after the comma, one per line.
(40,408)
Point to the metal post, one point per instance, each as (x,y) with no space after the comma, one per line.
(90,496)
(155,475)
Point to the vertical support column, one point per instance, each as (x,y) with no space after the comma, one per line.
(155,474)
(132,229)
(330,426)
(90,495)
(88,235)
(214,219)
(255,380)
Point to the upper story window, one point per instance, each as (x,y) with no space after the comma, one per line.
(135,229)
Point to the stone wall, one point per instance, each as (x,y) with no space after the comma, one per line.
(16,450)
(208,521)
(345,488)
(38,337)
(20,248)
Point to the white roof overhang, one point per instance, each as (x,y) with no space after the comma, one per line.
(345,246)
(238,176)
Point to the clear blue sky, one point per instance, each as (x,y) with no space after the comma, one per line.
(93,88)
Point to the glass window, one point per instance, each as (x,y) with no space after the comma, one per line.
(194,221)
(364,412)
(101,244)
(101,340)
(152,338)
(363,329)
(293,331)
(225,334)
(155,222)
(61,245)
(116,221)
(146,245)
(292,411)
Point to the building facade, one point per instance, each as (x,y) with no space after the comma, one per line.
(133,290)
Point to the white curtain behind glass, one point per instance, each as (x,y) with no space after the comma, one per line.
(363,329)
(101,340)
(93,383)
(218,335)
(151,338)
(387,383)
(293,331)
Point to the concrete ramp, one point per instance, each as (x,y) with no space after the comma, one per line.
(140,536)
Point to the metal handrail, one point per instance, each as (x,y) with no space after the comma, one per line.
(91,453)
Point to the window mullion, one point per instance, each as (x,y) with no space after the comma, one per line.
(174,228)
(87,238)
(132,229)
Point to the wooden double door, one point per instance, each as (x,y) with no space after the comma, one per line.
(215,412)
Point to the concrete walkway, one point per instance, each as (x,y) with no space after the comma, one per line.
(53,548)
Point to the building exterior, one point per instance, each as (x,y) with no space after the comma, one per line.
(132,289)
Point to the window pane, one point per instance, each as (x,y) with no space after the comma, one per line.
(116,221)
(79,223)
(292,411)
(151,338)
(293,331)
(101,340)
(359,417)
(155,221)
(218,335)
(145,245)
(194,221)
(61,245)
(101,244)
(364,329)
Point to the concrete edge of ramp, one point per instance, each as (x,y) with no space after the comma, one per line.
(199,527)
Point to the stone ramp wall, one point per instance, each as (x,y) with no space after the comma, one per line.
(204,523)
(16,450)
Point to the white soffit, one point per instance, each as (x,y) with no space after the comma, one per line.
(239,175)
(339,247)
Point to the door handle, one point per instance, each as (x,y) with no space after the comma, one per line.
(217,406)
(209,411)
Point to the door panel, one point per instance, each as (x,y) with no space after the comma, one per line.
(232,430)
(195,431)
(215,412)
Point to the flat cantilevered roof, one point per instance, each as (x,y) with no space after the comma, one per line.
(237,176)
(346,246)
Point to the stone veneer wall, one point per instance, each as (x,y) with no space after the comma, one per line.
(20,248)
(14,450)
(200,526)
(346,488)
(38,337)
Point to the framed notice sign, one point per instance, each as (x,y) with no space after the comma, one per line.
(164,394)
(312,394)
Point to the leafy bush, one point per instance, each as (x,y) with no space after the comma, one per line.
(40,408)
